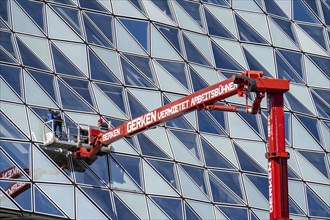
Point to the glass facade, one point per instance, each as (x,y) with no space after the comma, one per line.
(121,58)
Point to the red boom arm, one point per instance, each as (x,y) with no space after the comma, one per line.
(194,101)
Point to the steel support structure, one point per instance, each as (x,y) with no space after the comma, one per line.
(277,159)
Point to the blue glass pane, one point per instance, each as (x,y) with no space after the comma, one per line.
(285,72)
(122,211)
(4,9)
(23,196)
(45,80)
(189,140)
(164,7)
(93,35)
(247,162)
(81,87)
(71,16)
(227,75)
(296,105)
(254,64)
(98,166)
(231,179)
(132,165)
(287,122)
(99,71)
(101,198)
(132,76)
(273,8)
(302,13)
(292,174)
(84,175)
(172,34)
(261,183)
(91,5)
(246,33)
(143,64)
(234,213)
(218,2)
(137,4)
(197,81)
(8,130)
(253,217)
(293,208)
(5,58)
(192,52)
(286,26)
(179,122)
(70,100)
(324,94)
(213,158)
(41,112)
(313,5)
(67,2)
(316,33)
(197,174)
(326,13)
(206,124)
(2,24)
(190,214)
(7,43)
(44,205)
(34,10)
(132,140)
(166,169)
(294,59)
(322,108)
(318,160)
(136,108)
(223,60)
(139,29)
(103,22)
(220,193)
(323,63)
(115,93)
(63,65)
(215,27)
(117,174)
(20,152)
(316,206)
(149,148)
(172,207)
(252,121)
(29,58)
(219,117)
(193,10)
(312,126)
(177,70)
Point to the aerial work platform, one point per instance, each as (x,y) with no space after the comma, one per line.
(70,138)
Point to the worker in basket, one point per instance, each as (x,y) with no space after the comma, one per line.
(56,118)
(84,135)
(102,125)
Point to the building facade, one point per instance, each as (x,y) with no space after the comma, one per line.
(119,59)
